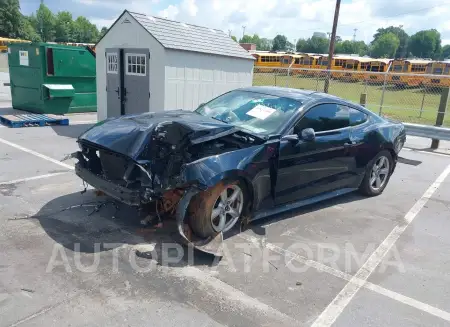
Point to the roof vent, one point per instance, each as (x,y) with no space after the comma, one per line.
(126,21)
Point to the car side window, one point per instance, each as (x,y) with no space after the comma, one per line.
(357,117)
(324,117)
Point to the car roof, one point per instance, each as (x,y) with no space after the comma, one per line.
(295,94)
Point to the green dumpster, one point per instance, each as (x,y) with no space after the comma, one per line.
(52,78)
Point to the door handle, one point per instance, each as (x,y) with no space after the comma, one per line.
(349,143)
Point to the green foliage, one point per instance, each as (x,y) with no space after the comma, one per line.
(301,46)
(279,43)
(445,52)
(85,31)
(10,18)
(264,44)
(232,36)
(28,32)
(385,46)
(426,44)
(351,47)
(402,50)
(64,27)
(45,23)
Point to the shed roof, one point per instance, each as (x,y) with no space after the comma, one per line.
(180,36)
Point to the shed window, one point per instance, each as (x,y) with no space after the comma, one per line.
(136,64)
(111,63)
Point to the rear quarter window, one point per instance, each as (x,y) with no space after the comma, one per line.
(357,117)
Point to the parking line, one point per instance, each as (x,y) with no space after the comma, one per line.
(15,181)
(340,302)
(427,152)
(37,154)
(345,276)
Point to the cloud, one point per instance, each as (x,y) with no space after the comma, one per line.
(293,18)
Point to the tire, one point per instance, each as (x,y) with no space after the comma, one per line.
(369,185)
(209,202)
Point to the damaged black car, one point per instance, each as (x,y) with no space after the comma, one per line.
(244,155)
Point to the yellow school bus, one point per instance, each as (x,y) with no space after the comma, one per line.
(5,41)
(267,61)
(401,68)
(337,63)
(437,68)
(355,68)
(377,66)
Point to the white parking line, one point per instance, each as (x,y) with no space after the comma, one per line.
(427,152)
(37,154)
(15,181)
(358,282)
(340,302)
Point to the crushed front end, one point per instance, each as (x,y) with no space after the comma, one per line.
(152,167)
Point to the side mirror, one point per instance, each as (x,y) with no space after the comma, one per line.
(308,134)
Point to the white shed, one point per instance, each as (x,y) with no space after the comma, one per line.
(146,63)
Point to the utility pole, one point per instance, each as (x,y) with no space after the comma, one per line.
(243,31)
(41,23)
(354,34)
(331,49)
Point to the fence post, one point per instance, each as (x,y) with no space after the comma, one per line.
(287,77)
(441,114)
(276,78)
(423,101)
(317,81)
(382,94)
(363,99)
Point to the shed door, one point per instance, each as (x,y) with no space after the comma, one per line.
(136,80)
(113,83)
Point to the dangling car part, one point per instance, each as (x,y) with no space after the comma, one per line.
(247,154)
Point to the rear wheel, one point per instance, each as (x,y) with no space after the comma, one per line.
(378,172)
(217,209)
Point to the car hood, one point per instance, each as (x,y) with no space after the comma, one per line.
(130,135)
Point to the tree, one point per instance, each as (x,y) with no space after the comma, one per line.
(402,50)
(10,18)
(279,43)
(426,44)
(85,31)
(64,27)
(351,47)
(232,36)
(302,45)
(45,23)
(385,46)
(317,44)
(246,39)
(445,52)
(264,44)
(28,32)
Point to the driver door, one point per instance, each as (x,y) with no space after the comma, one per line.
(309,168)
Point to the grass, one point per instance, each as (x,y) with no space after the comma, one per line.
(403,104)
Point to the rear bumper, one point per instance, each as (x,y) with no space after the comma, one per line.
(120,193)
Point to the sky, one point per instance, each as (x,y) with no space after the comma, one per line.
(293,18)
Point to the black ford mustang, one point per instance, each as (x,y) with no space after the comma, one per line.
(246,154)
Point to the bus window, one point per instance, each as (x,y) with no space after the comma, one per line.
(418,68)
(324,62)
(447,69)
(297,61)
(437,71)
(398,68)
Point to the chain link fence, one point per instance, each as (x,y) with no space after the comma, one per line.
(413,98)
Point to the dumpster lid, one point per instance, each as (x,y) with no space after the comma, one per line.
(60,90)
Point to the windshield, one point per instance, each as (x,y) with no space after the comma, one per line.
(258,113)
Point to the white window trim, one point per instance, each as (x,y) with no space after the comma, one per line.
(108,55)
(137,55)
